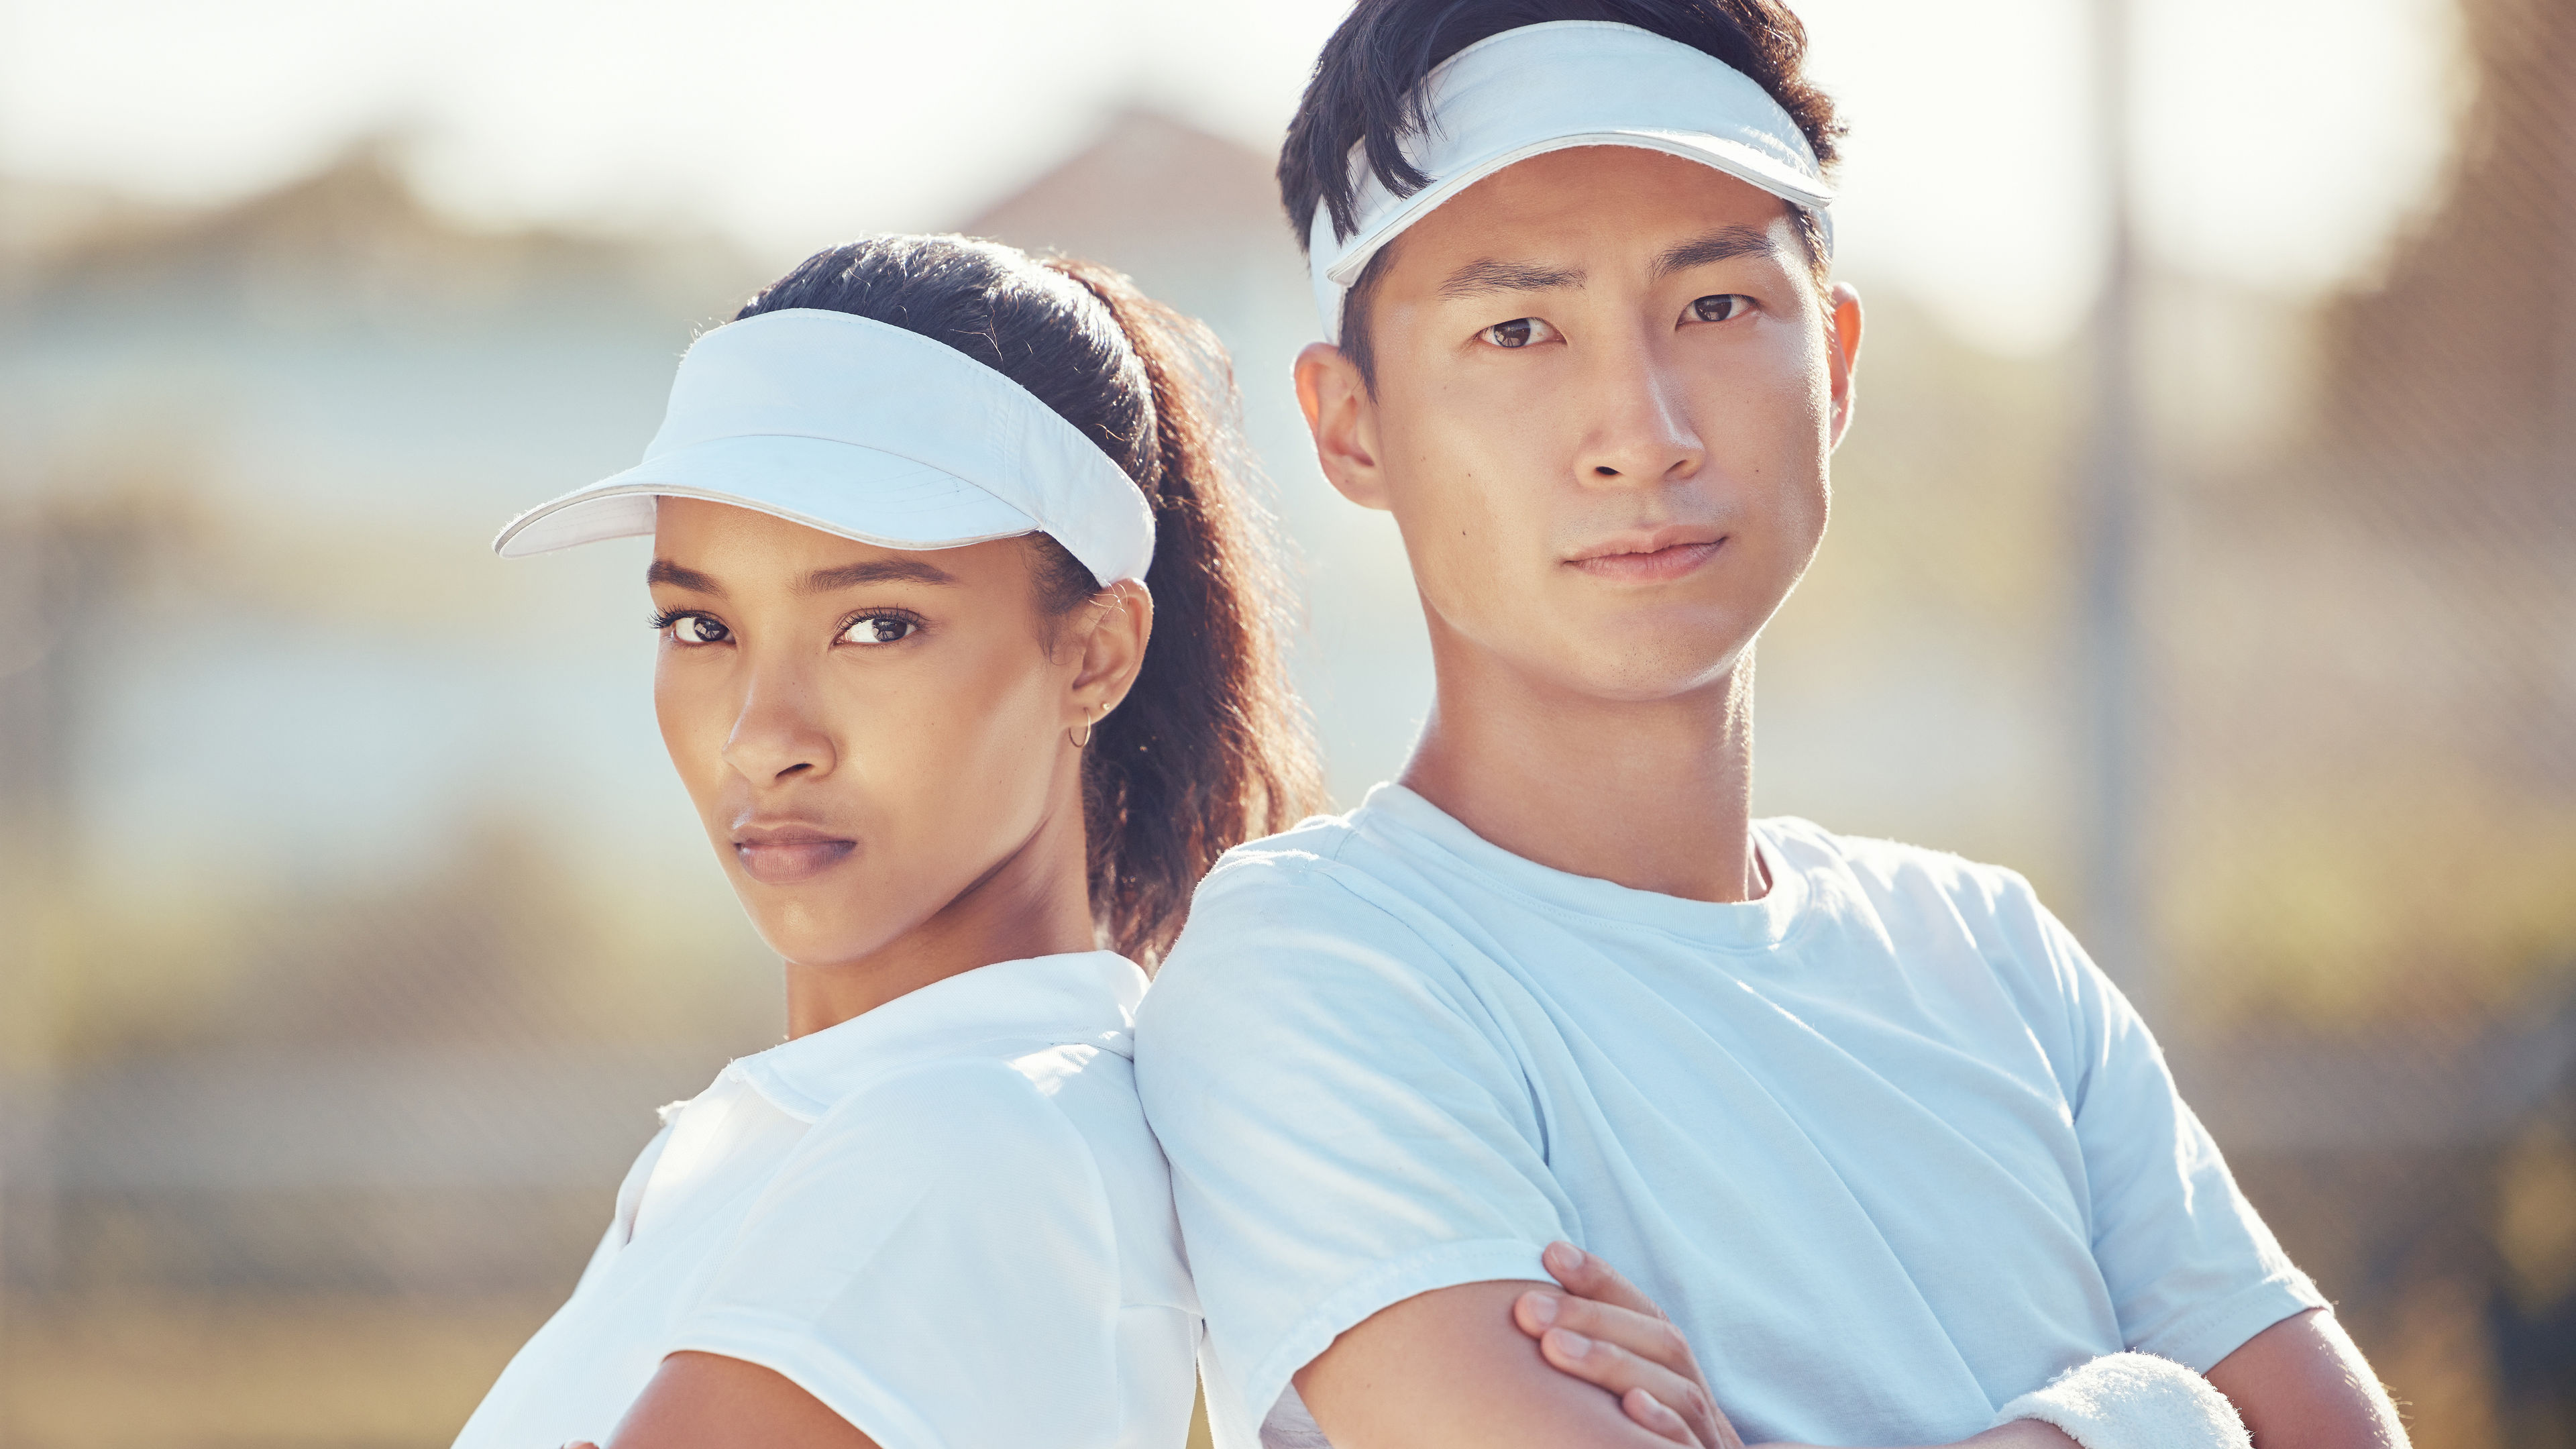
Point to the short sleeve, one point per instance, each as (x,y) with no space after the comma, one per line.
(936,1263)
(1345,1129)
(2192,1269)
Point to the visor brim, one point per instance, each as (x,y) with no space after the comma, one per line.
(840,488)
(1734,158)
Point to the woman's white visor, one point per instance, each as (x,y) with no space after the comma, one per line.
(1551,87)
(867,431)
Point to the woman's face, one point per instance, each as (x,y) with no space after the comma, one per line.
(870,736)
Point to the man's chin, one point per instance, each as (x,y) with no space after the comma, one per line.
(1662,680)
(1645,671)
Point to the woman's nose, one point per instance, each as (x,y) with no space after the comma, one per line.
(776,736)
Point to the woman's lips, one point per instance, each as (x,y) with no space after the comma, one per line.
(1651,565)
(786,859)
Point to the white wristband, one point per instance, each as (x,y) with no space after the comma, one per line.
(2133,1401)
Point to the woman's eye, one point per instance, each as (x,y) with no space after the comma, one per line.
(878,629)
(1519,332)
(698,629)
(1724,307)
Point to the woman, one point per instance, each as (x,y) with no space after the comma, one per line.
(916,514)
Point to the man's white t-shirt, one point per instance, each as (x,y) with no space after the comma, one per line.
(945,1219)
(1884,1143)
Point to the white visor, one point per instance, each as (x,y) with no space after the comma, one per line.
(1554,86)
(868,431)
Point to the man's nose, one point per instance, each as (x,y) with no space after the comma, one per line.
(1641,431)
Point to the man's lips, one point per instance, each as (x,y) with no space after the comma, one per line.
(785,854)
(1666,553)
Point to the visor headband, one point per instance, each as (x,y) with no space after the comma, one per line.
(865,430)
(1554,86)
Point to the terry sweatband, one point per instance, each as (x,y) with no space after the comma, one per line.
(1556,85)
(2133,1401)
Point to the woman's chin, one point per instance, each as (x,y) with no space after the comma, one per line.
(815,951)
(813,939)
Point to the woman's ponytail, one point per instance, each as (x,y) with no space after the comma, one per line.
(1209,748)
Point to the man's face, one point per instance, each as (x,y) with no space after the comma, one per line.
(1606,390)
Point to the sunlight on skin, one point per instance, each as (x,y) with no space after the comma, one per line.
(1528,471)
(897,808)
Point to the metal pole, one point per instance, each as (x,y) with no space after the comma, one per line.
(2110,657)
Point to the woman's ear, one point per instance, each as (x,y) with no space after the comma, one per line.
(1121,620)
(1343,418)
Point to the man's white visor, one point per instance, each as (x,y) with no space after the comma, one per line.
(1557,85)
(868,431)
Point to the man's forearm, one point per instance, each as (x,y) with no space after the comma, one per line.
(1449,1368)
(2303,1384)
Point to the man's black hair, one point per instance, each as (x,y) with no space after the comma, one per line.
(1367,92)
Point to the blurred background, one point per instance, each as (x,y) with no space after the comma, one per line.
(2205,549)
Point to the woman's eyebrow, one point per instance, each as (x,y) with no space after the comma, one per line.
(664,571)
(1724,244)
(881,571)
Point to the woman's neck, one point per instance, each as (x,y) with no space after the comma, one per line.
(1035,902)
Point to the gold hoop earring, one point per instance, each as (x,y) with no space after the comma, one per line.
(1085,742)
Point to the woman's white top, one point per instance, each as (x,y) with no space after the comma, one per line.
(945,1219)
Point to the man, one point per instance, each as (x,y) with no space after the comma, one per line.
(1861,1118)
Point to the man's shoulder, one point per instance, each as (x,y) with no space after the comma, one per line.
(1300,857)
(1328,873)
(1892,870)
(1303,926)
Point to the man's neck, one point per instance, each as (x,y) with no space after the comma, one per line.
(1655,796)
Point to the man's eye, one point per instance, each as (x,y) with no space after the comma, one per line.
(698,629)
(1519,332)
(1724,307)
(878,629)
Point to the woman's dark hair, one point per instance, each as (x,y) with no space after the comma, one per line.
(1209,748)
(1367,92)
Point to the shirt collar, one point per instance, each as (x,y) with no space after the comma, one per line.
(1083,998)
(1755,925)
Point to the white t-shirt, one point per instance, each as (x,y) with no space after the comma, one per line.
(945,1219)
(1883,1143)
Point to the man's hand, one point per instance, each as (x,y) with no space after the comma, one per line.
(1605,1332)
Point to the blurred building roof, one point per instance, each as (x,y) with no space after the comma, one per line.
(356,226)
(1148,183)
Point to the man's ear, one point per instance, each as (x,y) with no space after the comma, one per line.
(1343,418)
(1842,340)
(1113,649)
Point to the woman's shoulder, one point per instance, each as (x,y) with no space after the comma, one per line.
(1012,1107)
(1022,1138)
(1018,1051)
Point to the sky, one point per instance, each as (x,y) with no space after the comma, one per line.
(2278,140)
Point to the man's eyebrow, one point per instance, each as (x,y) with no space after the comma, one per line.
(1724,244)
(664,571)
(1487,275)
(880,571)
